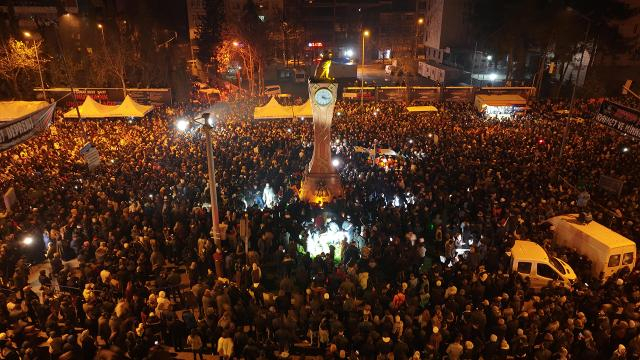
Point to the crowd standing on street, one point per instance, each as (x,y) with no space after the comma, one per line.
(131,269)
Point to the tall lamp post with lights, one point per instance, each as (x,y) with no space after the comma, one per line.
(36,50)
(365,34)
(101,27)
(205,122)
(419,23)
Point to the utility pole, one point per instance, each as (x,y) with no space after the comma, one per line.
(573,91)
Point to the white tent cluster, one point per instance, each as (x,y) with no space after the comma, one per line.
(92,109)
(273,110)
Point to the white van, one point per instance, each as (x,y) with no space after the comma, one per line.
(272,90)
(531,261)
(607,250)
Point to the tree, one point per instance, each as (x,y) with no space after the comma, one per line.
(209,33)
(16,58)
(555,27)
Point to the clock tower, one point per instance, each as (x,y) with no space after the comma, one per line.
(321,183)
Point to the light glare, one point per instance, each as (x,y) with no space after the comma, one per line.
(182,125)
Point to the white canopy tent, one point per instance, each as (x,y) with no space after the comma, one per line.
(273,110)
(20,120)
(92,109)
(427,108)
(12,110)
(303,110)
(130,108)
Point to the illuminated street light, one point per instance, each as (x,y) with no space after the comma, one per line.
(625,149)
(28,240)
(182,125)
(102,33)
(206,126)
(489,57)
(348,53)
(35,50)
(420,21)
(335,162)
(365,34)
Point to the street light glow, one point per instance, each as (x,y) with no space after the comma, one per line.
(420,21)
(235,43)
(335,162)
(625,149)
(493,77)
(27,240)
(99,26)
(182,125)
(27,34)
(489,57)
(366,33)
(348,53)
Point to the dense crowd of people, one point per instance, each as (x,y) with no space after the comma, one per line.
(132,270)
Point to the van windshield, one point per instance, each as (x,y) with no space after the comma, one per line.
(557,265)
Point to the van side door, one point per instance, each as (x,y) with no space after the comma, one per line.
(545,274)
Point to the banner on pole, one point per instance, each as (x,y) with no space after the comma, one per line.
(91,156)
(621,118)
(611,184)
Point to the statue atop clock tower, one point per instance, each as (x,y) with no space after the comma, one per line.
(321,183)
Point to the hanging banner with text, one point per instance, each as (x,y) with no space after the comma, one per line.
(621,118)
(424,95)
(368,93)
(392,93)
(17,131)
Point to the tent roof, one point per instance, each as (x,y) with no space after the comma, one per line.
(90,109)
(130,108)
(303,110)
(93,109)
(501,100)
(12,110)
(273,110)
(421,108)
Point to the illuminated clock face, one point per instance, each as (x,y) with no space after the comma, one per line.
(323,97)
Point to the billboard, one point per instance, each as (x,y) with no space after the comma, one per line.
(353,93)
(525,91)
(458,93)
(108,96)
(621,118)
(424,94)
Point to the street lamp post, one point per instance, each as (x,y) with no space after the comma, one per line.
(101,27)
(415,46)
(205,122)
(36,50)
(364,35)
(575,83)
